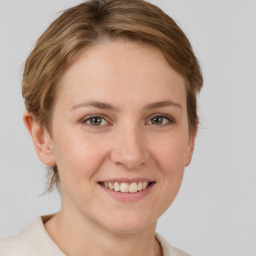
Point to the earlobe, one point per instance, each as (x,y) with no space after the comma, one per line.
(41,139)
(191,145)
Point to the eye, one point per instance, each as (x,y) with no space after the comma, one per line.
(95,121)
(160,120)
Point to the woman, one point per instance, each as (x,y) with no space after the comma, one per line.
(110,93)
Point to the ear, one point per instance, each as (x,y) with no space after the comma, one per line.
(191,145)
(41,139)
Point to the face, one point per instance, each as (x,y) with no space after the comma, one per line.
(120,123)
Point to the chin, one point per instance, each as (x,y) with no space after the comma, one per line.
(129,223)
(129,228)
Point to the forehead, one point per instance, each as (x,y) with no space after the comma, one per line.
(120,70)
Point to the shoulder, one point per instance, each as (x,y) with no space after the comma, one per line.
(169,250)
(33,240)
(20,243)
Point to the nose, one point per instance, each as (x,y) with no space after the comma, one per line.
(129,149)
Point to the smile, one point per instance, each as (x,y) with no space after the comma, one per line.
(123,187)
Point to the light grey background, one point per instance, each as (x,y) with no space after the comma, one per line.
(215,211)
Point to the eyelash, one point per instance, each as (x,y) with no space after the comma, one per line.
(90,118)
(169,119)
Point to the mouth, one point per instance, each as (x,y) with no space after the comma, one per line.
(123,187)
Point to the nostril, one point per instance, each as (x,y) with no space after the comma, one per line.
(127,161)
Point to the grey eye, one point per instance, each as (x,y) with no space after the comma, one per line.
(95,121)
(157,120)
(160,120)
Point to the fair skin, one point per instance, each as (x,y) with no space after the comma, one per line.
(119,116)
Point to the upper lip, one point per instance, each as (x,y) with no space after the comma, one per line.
(126,180)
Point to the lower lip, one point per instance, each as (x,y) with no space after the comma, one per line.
(128,197)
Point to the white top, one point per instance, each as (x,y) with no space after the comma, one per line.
(35,241)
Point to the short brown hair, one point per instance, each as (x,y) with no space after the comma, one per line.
(95,22)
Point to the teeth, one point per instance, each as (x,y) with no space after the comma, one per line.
(110,185)
(125,187)
(144,184)
(133,187)
(116,186)
(140,186)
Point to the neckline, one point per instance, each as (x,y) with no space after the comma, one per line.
(43,219)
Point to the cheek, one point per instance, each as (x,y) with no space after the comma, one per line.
(77,158)
(172,164)
(170,153)
(170,156)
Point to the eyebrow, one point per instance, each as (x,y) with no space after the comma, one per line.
(107,106)
(165,103)
(96,104)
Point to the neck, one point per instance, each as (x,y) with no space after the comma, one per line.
(78,236)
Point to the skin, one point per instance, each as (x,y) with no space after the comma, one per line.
(127,144)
